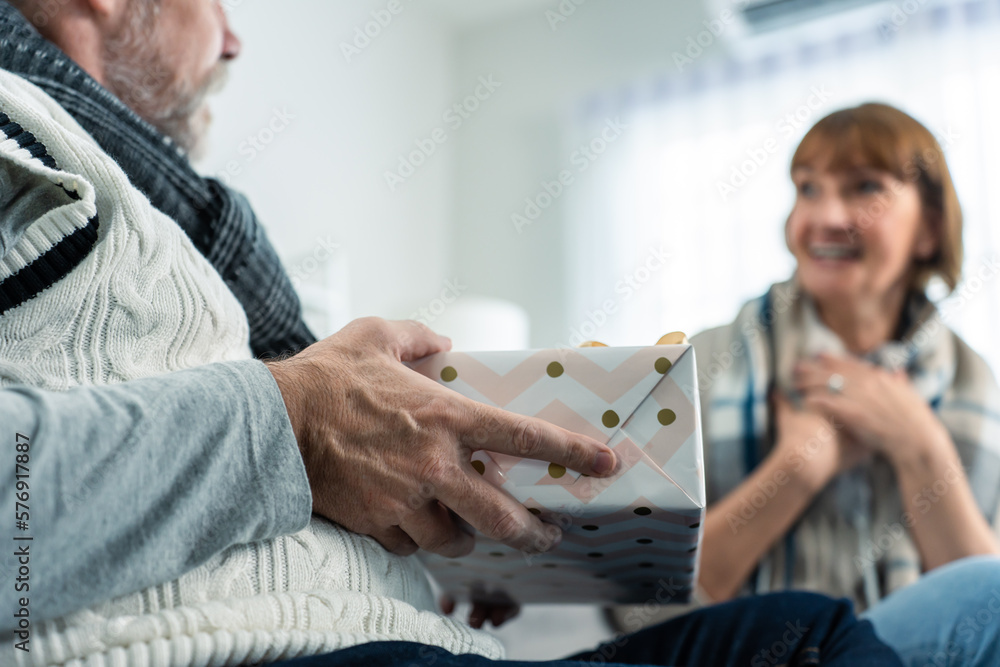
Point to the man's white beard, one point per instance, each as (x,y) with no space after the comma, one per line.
(137,73)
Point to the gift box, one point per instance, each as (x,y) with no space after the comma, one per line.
(631,538)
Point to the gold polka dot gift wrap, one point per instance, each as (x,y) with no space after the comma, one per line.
(631,538)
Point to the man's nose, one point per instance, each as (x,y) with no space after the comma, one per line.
(231,44)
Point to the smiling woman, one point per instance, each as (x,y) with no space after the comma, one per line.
(876,215)
(845,400)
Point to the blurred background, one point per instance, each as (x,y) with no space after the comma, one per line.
(535,173)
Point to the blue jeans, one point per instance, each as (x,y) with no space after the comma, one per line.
(788,629)
(950,618)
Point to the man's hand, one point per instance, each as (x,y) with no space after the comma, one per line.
(388,451)
(496,607)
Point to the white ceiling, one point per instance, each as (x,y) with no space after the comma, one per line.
(467,13)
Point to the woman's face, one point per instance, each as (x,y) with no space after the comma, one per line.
(855,233)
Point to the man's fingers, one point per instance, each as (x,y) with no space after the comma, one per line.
(496,515)
(478,615)
(434,530)
(414,340)
(495,430)
(498,614)
(496,606)
(503,613)
(396,541)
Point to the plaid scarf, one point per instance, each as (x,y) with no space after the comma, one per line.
(218,221)
(850,542)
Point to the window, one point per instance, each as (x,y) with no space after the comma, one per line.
(701,171)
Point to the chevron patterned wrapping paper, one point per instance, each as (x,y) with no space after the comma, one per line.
(631,538)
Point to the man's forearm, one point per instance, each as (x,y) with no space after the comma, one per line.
(132,485)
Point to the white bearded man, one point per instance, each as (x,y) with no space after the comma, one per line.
(194,506)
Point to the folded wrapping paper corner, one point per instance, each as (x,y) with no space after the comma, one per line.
(629,538)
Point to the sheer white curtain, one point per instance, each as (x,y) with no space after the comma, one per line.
(737,123)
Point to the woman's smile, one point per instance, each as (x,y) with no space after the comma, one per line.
(835,255)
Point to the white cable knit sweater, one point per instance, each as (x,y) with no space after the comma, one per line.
(144,302)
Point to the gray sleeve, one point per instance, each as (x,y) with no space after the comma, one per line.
(131,485)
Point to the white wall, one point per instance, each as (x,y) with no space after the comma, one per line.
(516,140)
(322,176)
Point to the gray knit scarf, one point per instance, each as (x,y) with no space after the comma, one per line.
(218,221)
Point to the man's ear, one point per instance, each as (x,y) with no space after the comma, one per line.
(80,28)
(106,10)
(98,11)
(104,7)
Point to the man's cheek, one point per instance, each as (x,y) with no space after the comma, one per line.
(200,38)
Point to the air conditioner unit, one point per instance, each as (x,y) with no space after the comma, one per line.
(768,14)
(757,16)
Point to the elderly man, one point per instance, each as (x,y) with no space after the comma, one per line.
(163,509)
